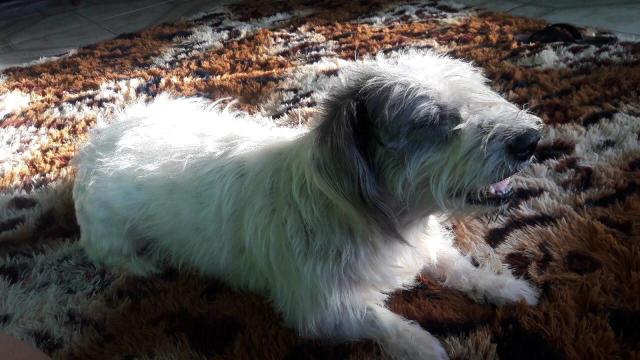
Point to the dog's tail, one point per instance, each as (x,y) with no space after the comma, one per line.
(37,218)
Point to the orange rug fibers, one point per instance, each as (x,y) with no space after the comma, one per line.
(573,230)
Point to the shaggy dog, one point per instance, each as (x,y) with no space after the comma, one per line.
(326,222)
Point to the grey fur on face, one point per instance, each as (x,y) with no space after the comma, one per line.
(394,145)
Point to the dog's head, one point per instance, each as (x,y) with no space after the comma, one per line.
(404,136)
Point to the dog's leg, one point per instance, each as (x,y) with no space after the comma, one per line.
(456,270)
(107,244)
(116,253)
(399,337)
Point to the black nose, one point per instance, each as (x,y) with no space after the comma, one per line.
(524,145)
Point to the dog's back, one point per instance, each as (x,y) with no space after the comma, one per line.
(158,173)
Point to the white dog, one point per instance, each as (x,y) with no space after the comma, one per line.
(326,222)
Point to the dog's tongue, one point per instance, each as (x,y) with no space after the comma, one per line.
(501,188)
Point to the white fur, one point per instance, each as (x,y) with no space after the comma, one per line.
(235,198)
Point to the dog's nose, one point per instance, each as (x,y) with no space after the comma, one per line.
(524,145)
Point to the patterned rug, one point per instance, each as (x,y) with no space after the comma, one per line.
(573,231)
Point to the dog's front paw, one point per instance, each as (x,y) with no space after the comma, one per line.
(430,352)
(508,289)
(526,292)
(436,352)
(415,344)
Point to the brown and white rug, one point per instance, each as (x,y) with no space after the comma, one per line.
(574,230)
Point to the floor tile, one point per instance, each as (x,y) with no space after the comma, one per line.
(59,6)
(530,11)
(139,19)
(72,38)
(472,2)
(100,2)
(13,9)
(493,5)
(5,50)
(191,8)
(17,24)
(17,57)
(581,3)
(112,9)
(623,18)
(154,15)
(500,5)
(57,28)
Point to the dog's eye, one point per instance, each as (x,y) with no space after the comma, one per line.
(435,133)
(421,125)
(443,118)
(452,132)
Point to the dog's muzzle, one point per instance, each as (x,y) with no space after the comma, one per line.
(521,148)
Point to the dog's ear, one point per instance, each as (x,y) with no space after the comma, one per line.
(347,143)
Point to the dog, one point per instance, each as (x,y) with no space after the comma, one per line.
(326,222)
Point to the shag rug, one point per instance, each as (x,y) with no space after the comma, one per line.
(573,229)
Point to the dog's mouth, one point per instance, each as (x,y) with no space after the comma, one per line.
(501,189)
(495,194)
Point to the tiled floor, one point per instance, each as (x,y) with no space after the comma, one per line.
(30,29)
(619,16)
(52,27)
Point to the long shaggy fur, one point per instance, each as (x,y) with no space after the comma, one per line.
(327,221)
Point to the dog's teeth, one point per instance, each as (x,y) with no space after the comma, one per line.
(500,188)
